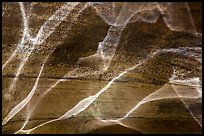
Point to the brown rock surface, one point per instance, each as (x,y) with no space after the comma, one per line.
(165,112)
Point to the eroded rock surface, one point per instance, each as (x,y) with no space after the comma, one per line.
(101,67)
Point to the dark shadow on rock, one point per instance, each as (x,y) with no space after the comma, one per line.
(114,129)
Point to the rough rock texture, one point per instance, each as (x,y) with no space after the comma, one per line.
(74,40)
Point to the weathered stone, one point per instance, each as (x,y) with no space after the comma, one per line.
(71,41)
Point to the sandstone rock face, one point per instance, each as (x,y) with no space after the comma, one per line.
(101,67)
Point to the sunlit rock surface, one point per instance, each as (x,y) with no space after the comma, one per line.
(101,67)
